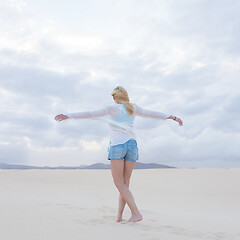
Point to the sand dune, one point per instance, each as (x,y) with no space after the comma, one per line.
(82,204)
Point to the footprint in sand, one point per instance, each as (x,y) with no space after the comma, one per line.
(109,218)
(221,236)
(90,221)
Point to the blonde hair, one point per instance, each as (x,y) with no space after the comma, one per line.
(121,96)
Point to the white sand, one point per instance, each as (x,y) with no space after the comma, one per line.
(82,204)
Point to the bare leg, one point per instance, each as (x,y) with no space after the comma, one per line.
(117,168)
(121,206)
(127,171)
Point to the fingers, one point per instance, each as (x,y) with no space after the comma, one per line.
(180,122)
(59,117)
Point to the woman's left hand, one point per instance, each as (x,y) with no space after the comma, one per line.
(61,117)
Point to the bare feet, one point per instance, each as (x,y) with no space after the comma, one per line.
(135,218)
(119,218)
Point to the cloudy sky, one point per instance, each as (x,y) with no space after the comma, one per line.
(177,57)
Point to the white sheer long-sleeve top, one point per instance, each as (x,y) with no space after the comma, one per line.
(120,122)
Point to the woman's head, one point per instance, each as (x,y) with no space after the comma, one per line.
(120,96)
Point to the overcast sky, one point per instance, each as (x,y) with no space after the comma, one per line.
(176,57)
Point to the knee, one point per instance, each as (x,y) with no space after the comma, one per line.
(119,183)
(126,182)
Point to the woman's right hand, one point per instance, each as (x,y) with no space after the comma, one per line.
(179,121)
(61,117)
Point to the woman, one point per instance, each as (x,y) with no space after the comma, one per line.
(123,151)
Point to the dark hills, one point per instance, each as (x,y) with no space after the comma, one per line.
(138,165)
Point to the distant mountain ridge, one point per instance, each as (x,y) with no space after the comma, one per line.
(137,165)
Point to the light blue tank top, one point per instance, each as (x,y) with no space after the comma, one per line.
(124,117)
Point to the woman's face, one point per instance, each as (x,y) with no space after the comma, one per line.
(114,99)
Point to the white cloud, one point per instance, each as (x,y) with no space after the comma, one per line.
(177,57)
(73,44)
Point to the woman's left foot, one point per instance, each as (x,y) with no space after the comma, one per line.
(135,218)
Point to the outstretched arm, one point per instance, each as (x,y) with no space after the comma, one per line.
(87,114)
(154,114)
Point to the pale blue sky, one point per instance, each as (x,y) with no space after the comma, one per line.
(176,57)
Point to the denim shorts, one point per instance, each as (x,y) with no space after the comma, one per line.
(127,151)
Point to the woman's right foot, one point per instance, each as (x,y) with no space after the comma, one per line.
(119,218)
